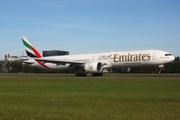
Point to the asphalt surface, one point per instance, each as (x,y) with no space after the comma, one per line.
(16,75)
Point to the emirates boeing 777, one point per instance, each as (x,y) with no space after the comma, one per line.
(95,63)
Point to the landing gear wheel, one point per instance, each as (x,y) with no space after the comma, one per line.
(80,74)
(97,74)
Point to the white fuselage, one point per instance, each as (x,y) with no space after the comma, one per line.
(112,59)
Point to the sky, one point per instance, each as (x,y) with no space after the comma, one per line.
(89,26)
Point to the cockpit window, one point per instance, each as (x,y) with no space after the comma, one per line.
(167,54)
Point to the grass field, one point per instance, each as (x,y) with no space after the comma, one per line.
(23,98)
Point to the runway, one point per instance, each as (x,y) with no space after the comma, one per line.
(139,76)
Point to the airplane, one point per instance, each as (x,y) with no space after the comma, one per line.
(95,63)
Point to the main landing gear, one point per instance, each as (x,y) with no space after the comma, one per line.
(97,74)
(83,74)
(80,74)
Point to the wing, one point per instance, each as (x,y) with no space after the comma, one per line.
(61,61)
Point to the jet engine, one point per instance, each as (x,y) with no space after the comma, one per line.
(93,67)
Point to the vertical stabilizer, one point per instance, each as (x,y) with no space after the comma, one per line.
(30,50)
(33,53)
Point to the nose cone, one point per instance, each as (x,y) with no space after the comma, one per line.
(173,58)
(170,59)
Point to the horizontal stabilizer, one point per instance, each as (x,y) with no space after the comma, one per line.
(28,62)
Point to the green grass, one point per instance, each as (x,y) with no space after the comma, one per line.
(89,98)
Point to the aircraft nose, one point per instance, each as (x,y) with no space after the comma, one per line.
(169,59)
(173,58)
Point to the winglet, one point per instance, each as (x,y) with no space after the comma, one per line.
(30,50)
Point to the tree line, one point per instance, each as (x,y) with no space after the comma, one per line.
(172,67)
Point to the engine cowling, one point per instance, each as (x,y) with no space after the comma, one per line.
(93,67)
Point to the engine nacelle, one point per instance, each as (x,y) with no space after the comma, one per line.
(93,67)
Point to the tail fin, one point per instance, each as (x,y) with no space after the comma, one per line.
(30,50)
